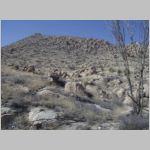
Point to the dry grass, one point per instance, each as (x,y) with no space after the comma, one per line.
(134,122)
(14,78)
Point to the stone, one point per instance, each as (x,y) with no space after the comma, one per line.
(105,110)
(119,92)
(41,114)
(75,88)
(43,92)
(92,89)
(5,110)
(127,100)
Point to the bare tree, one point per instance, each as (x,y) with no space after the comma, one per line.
(120,30)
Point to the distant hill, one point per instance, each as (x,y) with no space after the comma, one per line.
(58,51)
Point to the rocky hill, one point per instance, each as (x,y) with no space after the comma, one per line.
(51,51)
(63,82)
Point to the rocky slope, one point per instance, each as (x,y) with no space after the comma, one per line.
(67,83)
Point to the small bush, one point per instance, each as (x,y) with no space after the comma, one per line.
(119,71)
(134,122)
(19,81)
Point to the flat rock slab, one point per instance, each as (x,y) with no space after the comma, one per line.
(41,114)
(5,110)
(44,92)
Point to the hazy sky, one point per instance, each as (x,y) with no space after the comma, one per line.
(13,30)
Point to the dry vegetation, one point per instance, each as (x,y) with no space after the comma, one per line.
(96,99)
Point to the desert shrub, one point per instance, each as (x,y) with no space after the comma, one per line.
(11,92)
(63,102)
(32,81)
(19,81)
(134,122)
(21,122)
(119,72)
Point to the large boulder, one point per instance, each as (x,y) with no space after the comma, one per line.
(75,88)
(127,100)
(93,90)
(5,110)
(41,114)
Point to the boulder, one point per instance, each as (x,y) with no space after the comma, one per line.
(120,92)
(127,100)
(5,110)
(43,92)
(93,90)
(41,114)
(75,88)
